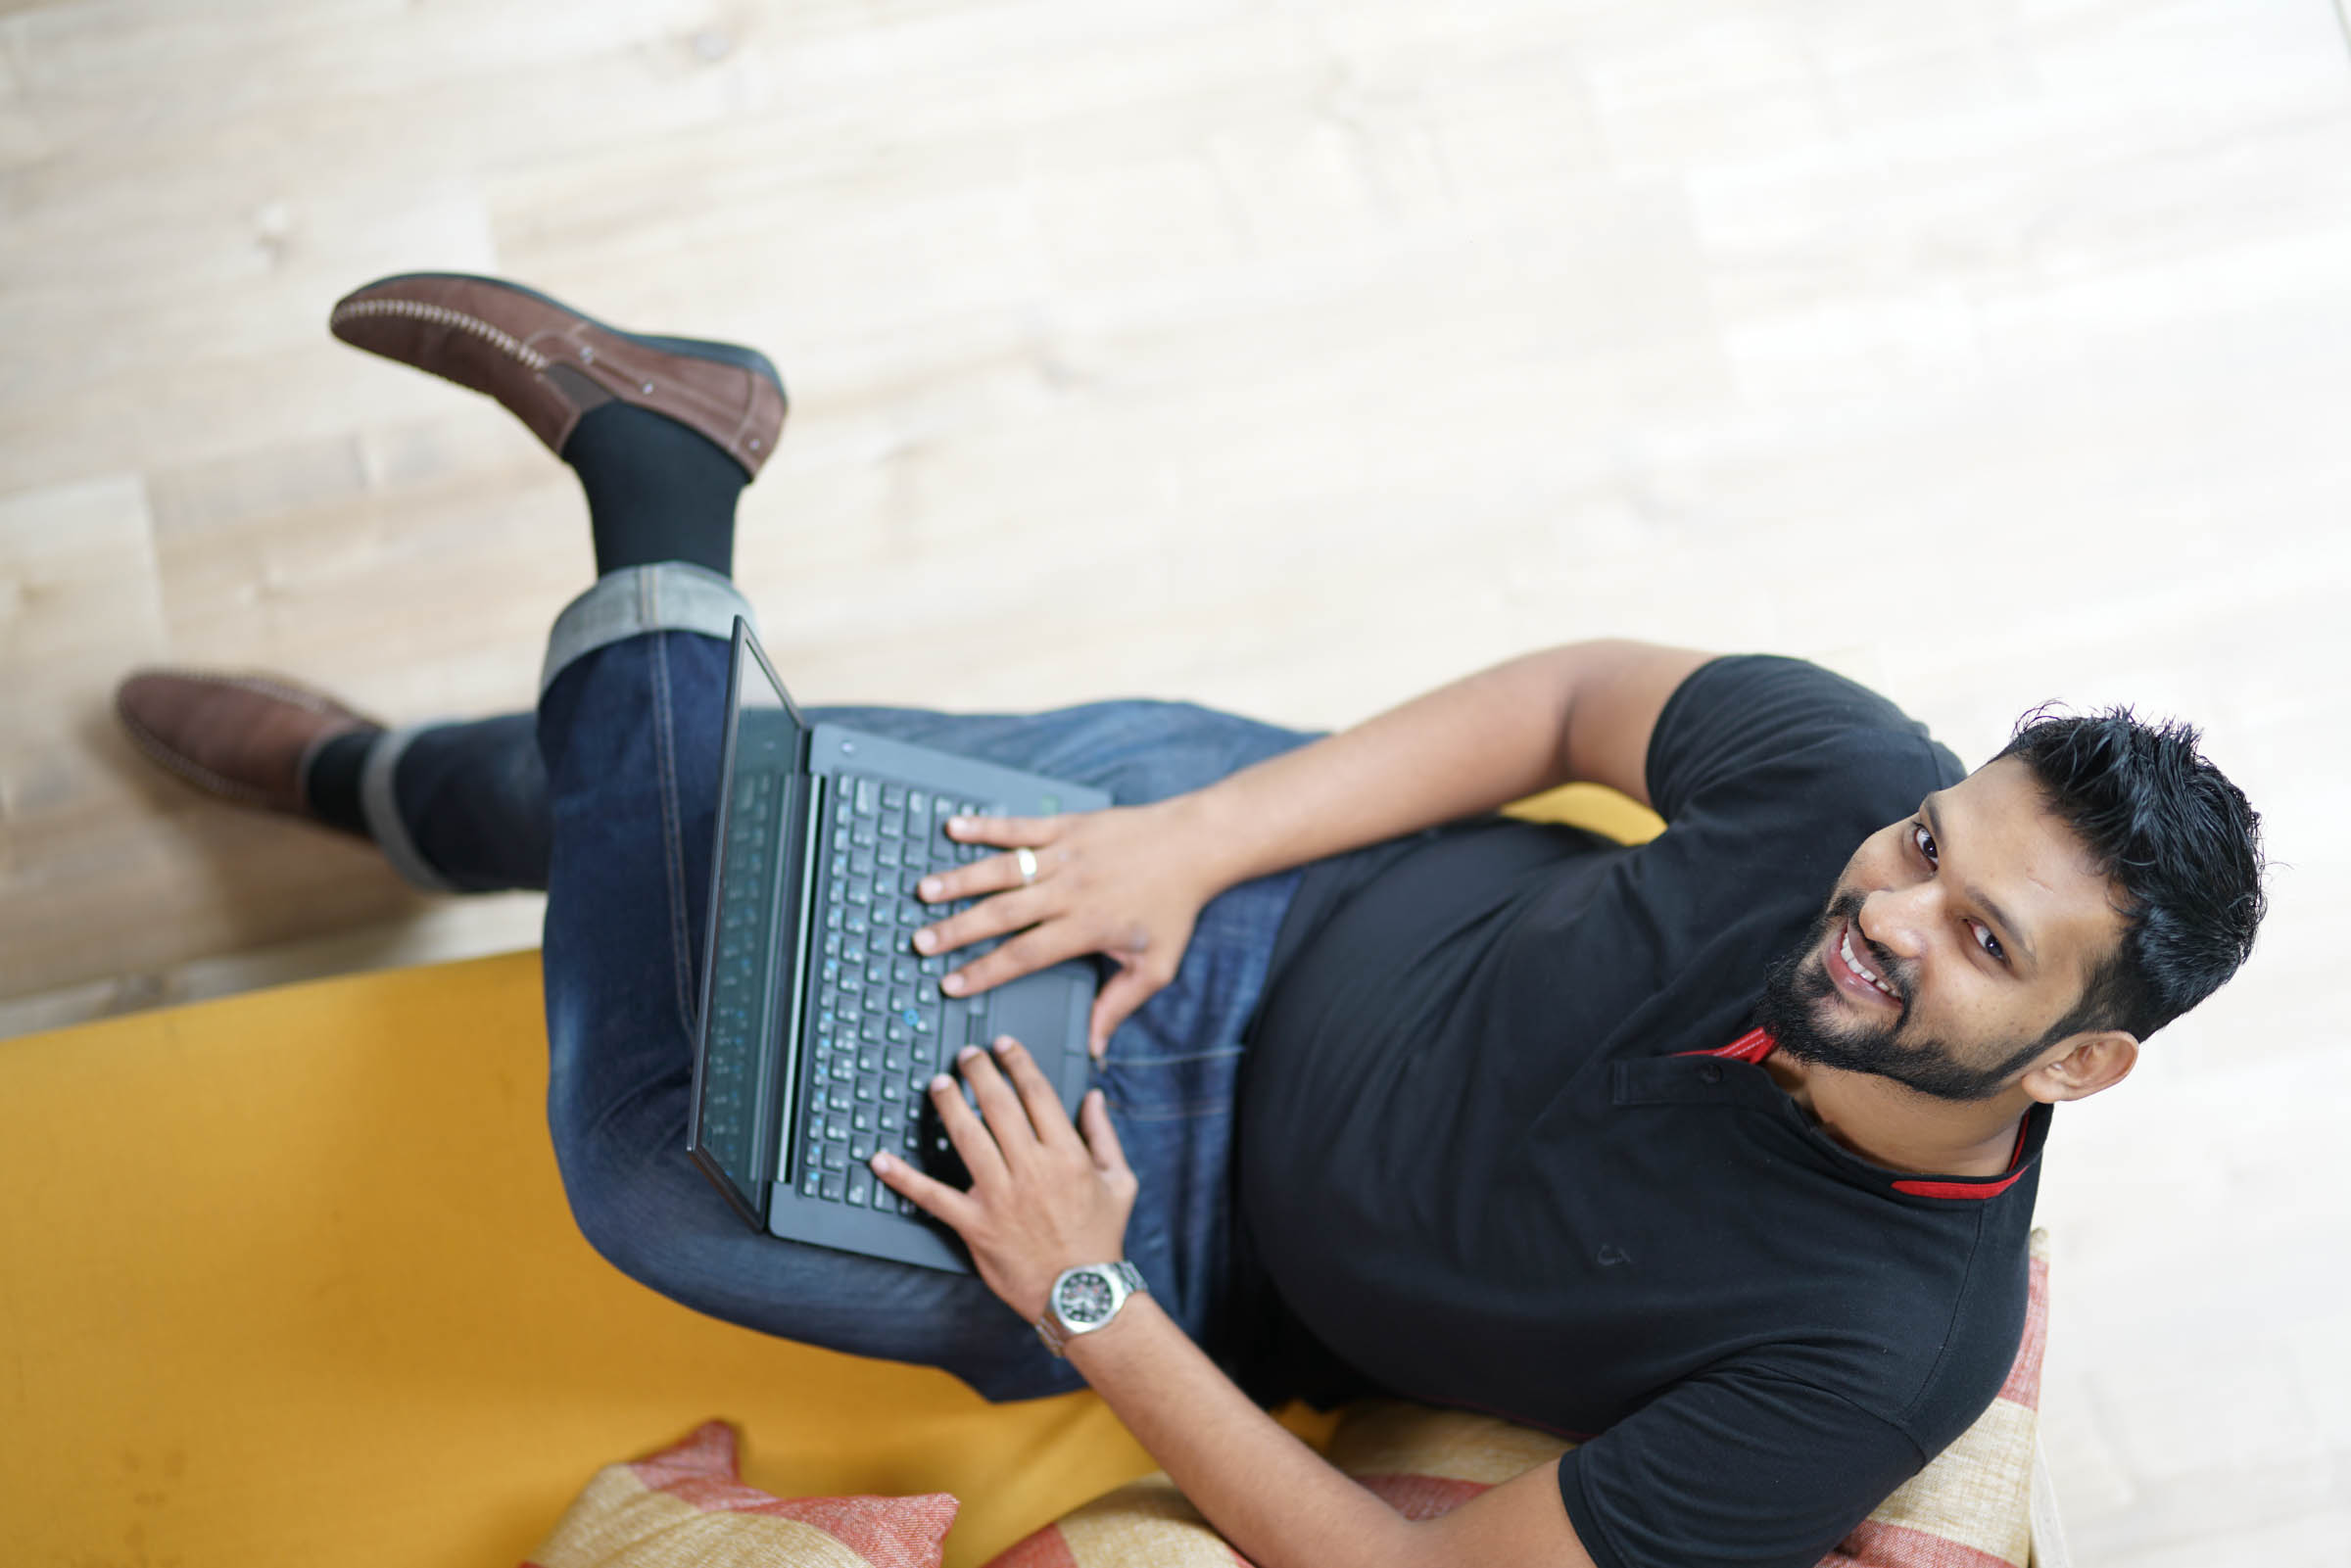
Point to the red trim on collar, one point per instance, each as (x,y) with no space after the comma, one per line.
(1757,1044)
(1752,1046)
(1976,1189)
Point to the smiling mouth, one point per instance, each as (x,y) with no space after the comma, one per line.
(1859,971)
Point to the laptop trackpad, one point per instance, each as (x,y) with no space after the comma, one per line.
(1036,1010)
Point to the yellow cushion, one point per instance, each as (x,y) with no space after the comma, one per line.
(290,1276)
(1594,806)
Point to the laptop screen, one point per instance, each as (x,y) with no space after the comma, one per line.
(754,908)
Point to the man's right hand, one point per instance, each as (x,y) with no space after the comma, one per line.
(1128,883)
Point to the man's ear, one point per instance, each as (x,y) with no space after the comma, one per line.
(2084,1063)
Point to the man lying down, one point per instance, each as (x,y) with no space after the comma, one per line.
(1717,1152)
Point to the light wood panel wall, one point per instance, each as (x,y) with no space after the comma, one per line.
(1288,354)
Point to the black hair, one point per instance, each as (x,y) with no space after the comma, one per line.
(2180,844)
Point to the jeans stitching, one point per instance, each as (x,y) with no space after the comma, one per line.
(1133,1060)
(673,852)
(1178,1110)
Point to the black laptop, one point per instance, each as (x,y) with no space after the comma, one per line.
(821,1025)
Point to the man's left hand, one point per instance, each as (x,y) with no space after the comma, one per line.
(1042,1197)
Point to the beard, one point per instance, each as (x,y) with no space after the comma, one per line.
(1796,1011)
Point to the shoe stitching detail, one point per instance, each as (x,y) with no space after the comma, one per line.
(264,686)
(195,772)
(189,771)
(442,316)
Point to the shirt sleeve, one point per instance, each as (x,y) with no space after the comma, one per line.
(1740,1467)
(1734,716)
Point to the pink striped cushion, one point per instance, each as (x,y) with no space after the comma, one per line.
(688,1506)
(1970,1508)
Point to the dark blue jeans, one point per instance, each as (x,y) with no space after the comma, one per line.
(605,799)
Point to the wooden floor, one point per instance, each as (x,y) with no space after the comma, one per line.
(1288,354)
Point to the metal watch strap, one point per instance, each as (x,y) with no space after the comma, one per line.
(1125,1281)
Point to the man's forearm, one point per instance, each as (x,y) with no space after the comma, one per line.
(1480,743)
(1493,738)
(1274,1498)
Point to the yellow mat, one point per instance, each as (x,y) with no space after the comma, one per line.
(289,1277)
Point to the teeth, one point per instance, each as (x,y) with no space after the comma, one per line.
(1845,949)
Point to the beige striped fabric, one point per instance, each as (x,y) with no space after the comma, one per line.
(687,1507)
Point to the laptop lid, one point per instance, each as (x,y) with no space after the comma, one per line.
(745,1039)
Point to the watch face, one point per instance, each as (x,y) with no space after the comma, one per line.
(1083,1298)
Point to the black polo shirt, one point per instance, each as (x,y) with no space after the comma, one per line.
(1504,1144)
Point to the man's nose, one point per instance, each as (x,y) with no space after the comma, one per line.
(1897,919)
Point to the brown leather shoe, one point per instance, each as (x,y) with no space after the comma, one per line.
(549,365)
(244,737)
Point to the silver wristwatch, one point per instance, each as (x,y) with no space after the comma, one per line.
(1085,1299)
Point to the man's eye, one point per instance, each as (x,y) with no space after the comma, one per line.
(1990,943)
(1924,840)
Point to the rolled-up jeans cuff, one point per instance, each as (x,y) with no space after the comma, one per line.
(379,806)
(667,597)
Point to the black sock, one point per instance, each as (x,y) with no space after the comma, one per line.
(657,491)
(333,781)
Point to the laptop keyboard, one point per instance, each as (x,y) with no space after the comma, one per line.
(879,1028)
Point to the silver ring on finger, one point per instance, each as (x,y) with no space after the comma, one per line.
(1026,858)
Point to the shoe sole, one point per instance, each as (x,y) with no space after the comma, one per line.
(733,354)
